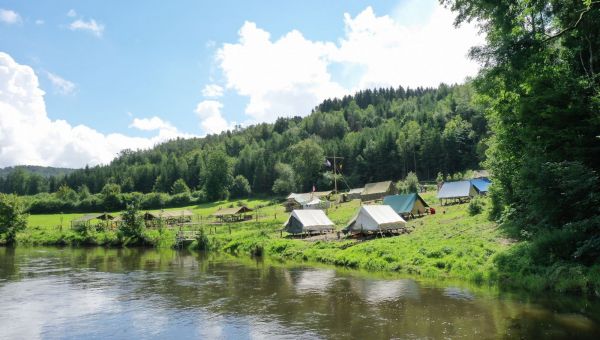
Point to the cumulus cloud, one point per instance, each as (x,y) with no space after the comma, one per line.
(10,17)
(211,119)
(71,13)
(291,75)
(212,91)
(61,85)
(282,77)
(90,26)
(29,136)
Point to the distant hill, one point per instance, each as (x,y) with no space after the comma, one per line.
(44,171)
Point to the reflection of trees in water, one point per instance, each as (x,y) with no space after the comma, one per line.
(322,300)
(8,263)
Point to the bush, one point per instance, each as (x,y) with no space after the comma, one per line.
(12,217)
(475,206)
(154,200)
(180,199)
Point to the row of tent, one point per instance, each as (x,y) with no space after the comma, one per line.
(370,218)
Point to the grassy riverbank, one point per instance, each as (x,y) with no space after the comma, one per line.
(448,245)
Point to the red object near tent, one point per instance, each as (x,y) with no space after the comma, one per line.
(432,211)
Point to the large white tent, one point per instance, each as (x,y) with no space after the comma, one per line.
(374,218)
(306,221)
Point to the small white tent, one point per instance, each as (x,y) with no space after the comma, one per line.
(302,221)
(375,218)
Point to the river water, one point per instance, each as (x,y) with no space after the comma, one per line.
(135,293)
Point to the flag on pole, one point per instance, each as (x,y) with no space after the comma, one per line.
(327,163)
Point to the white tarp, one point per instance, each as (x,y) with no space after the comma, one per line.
(375,218)
(315,203)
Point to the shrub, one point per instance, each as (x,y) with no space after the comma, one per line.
(12,217)
(475,206)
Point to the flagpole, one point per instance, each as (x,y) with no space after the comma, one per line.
(334,173)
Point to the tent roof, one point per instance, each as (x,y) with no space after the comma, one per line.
(382,214)
(404,203)
(302,198)
(177,213)
(313,201)
(356,190)
(455,189)
(232,211)
(169,214)
(376,188)
(87,217)
(374,217)
(322,193)
(482,184)
(310,218)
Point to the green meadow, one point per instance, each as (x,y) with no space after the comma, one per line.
(450,244)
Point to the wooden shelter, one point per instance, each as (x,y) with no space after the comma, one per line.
(235,214)
(377,191)
(170,217)
(88,220)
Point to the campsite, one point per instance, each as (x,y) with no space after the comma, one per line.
(406,169)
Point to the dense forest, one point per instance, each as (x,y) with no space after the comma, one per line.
(381,134)
(540,83)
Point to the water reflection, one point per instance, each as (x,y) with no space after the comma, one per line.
(130,293)
(378,291)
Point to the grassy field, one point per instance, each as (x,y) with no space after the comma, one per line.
(448,245)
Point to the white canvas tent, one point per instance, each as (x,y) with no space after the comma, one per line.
(306,221)
(375,218)
(315,203)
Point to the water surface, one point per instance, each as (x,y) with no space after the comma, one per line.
(134,293)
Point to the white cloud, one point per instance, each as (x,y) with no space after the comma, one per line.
(151,124)
(29,136)
(9,17)
(212,91)
(71,13)
(284,77)
(393,54)
(61,85)
(291,75)
(39,22)
(211,119)
(91,26)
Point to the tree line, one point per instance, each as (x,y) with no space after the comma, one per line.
(381,134)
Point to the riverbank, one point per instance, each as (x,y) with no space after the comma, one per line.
(448,245)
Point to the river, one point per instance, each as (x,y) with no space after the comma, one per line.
(96,293)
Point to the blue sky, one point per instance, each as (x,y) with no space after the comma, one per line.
(139,68)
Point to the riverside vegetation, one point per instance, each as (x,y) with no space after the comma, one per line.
(459,242)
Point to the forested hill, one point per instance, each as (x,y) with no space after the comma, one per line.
(44,171)
(29,179)
(381,134)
